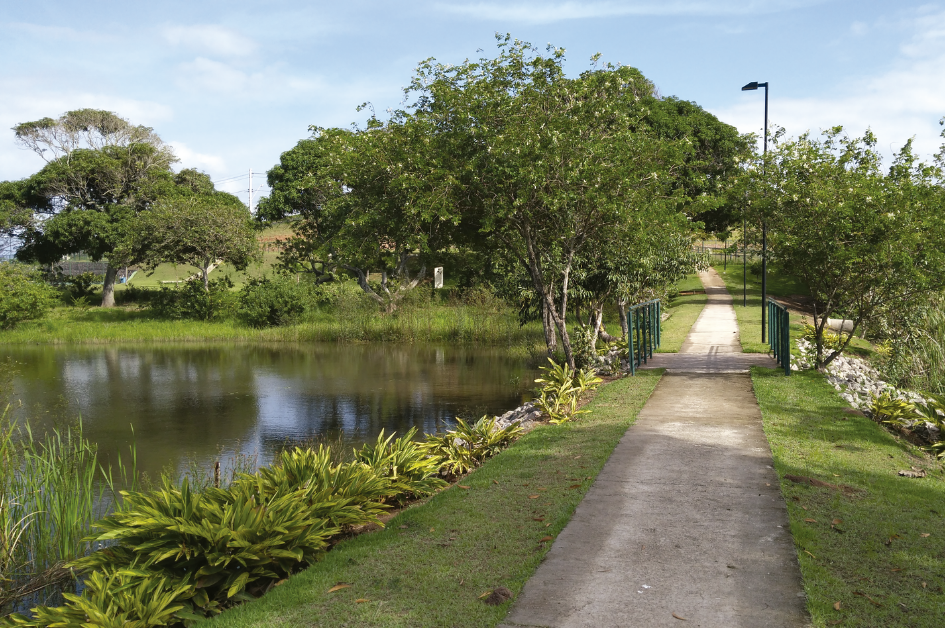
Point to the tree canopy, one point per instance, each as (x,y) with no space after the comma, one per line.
(858,238)
(101,172)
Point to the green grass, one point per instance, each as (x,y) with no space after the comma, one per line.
(180,272)
(434,323)
(433,561)
(749,317)
(877,548)
(685,310)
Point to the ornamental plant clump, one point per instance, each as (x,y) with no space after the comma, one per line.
(177,555)
(561,389)
(928,417)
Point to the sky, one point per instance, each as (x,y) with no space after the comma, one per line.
(231,85)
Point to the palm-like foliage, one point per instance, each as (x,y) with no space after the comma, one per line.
(405,463)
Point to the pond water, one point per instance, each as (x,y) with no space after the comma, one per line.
(183,403)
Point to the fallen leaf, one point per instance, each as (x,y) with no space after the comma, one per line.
(679,618)
(486,594)
(924,585)
(541,488)
(338,587)
(914,473)
(809,554)
(575,486)
(361,600)
(465,488)
(576,457)
(810,520)
(800,479)
(835,475)
(534,496)
(538,518)
(432,529)
(837,522)
(836,606)
(494,482)
(766,484)
(925,534)
(546,538)
(547,524)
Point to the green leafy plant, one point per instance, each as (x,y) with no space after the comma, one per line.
(269,302)
(192,301)
(405,463)
(903,414)
(831,342)
(461,450)
(561,389)
(892,411)
(23,295)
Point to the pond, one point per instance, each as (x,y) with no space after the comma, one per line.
(197,404)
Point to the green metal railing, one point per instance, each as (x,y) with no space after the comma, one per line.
(643,323)
(779,334)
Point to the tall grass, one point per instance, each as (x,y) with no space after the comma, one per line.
(50,494)
(459,323)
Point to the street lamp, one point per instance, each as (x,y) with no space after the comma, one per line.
(764,226)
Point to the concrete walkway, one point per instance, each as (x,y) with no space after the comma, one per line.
(686,520)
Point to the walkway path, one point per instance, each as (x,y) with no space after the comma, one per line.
(686,520)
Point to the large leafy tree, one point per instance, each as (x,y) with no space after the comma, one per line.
(858,238)
(355,213)
(101,172)
(192,223)
(550,169)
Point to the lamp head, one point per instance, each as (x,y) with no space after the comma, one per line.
(750,87)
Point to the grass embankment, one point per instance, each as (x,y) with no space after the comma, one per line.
(877,548)
(684,310)
(435,323)
(432,562)
(749,317)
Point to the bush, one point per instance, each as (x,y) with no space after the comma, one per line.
(463,449)
(561,389)
(192,301)
(23,295)
(269,302)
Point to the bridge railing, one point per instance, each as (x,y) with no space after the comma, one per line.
(643,325)
(779,334)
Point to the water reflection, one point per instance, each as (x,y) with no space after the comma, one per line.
(192,402)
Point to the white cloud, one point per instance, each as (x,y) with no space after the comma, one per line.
(544,12)
(211,39)
(905,99)
(206,74)
(190,158)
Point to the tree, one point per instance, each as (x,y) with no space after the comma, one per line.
(196,225)
(101,172)
(356,214)
(548,168)
(858,239)
(716,154)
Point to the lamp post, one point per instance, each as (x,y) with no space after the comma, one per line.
(764,226)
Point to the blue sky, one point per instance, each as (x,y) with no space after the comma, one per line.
(233,84)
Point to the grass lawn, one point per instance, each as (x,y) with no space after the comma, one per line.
(878,550)
(432,562)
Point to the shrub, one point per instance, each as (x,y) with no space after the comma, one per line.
(561,389)
(269,302)
(23,295)
(405,463)
(461,450)
(190,300)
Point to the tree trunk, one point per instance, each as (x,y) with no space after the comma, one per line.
(548,325)
(108,287)
(622,309)
(206,275)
